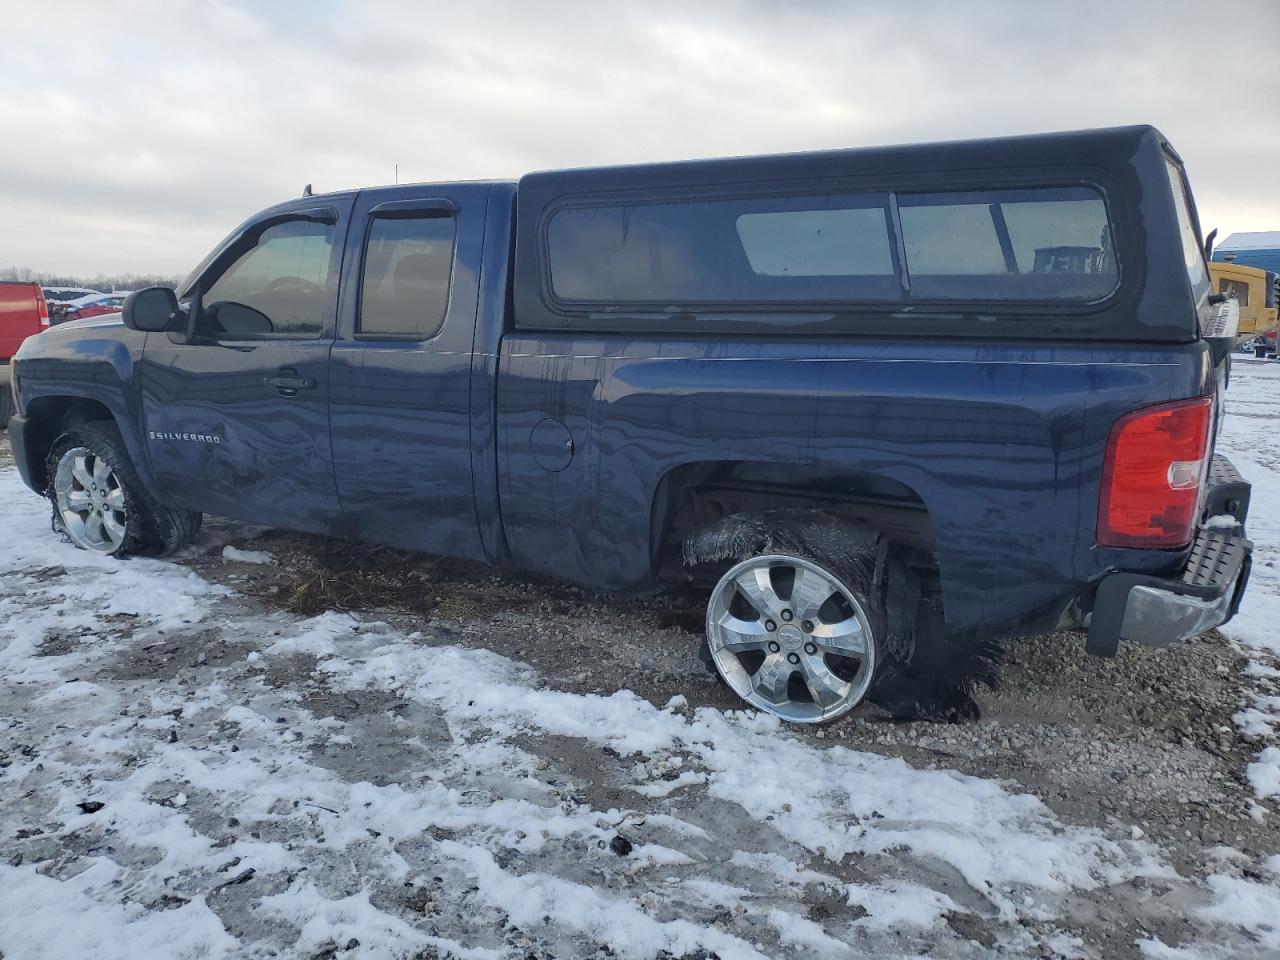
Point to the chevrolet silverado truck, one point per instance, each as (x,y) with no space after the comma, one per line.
(887,406)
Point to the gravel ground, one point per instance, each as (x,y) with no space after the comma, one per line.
(1145,738)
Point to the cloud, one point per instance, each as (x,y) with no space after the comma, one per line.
(136,134)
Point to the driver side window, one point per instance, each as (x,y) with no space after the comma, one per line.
(276,289)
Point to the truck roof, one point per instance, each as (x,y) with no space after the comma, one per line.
(1108,145)
(1060,147)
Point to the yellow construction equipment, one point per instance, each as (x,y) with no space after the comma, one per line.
(1258,293)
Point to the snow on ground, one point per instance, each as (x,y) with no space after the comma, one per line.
(246,556)
(1251,438)
(472,804)
(337,787)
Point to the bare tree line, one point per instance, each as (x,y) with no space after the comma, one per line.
(107,283)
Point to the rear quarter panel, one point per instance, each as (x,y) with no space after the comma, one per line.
(1002,442)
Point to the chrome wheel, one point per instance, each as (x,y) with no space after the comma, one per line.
(790,638)
(90,500)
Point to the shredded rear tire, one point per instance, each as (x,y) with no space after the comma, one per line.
(923,672)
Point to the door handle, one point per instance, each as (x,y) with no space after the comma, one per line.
(288,383)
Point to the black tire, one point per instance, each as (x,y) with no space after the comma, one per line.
(6,401)
(151,529)
(938,678)
(922,672)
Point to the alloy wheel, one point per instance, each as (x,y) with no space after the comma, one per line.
(789,638)
(90,500)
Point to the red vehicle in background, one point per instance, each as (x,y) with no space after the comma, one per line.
(93,306)
(60,297)
(23,312)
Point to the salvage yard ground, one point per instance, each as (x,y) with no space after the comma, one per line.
(283,746)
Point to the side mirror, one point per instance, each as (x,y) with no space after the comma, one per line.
(150,310)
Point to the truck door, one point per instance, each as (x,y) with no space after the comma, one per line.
(237,419)
(400,405)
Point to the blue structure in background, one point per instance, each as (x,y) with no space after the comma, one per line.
(1260,250)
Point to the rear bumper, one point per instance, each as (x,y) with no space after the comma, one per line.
(1163,611)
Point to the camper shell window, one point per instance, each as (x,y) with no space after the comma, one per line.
(1038,244)
(748,250)
(1048,243)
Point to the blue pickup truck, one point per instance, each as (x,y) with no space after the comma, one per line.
(888,406)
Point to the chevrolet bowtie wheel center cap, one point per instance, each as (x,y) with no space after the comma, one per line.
(790,638)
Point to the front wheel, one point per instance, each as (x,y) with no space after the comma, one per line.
(101,505)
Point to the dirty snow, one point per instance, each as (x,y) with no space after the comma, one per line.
(1251,438)
(341,787)
(246,556)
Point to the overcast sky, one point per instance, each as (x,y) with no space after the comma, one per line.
(134,135)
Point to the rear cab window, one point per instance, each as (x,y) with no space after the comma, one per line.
(405,277)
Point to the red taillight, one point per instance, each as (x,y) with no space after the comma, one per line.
(1155,465)
(42,308)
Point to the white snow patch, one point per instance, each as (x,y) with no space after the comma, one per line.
(804,933)
(1222,521)
(1255,669)
(86,916)
(852,803)
(1159,950)
(246,556)
(900,905)
(1243,903)
(715,891)
(49,589)
(1264,773)
(324,921)
(1256,723)
(622,924)
(1069,947)
(1250,436)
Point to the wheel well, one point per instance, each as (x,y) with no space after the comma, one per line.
(54,416)
(697,494)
